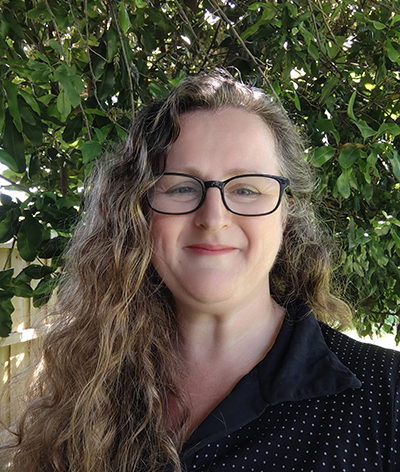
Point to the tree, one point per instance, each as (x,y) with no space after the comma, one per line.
(74,72)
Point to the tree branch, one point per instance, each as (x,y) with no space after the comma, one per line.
(243,44)
(14,184)
(55,26)
(124,55)
(327,24)
(10,251)
(183,15)
(214,38)
(384,5)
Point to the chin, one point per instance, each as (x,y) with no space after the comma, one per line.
(214,295)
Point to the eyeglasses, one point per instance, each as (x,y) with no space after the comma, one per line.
(245,195)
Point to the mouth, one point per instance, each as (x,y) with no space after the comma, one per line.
(210,249)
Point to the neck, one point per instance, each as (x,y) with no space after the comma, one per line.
(246,333)
(217,350)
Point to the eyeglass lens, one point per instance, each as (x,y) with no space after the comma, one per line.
(247,195)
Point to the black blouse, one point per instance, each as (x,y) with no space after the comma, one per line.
(318,402)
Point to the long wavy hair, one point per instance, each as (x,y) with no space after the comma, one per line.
(108,368)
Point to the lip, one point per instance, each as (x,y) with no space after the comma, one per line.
(210,249)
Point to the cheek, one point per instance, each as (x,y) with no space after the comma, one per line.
(165,234)
(267,238)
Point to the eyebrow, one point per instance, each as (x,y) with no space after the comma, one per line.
(196,172)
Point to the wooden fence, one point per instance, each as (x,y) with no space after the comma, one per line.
(15,350)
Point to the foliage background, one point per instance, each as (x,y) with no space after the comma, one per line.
(74,72)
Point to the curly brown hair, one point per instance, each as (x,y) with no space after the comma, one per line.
(109,364)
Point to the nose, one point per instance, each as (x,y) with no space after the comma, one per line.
(213,215)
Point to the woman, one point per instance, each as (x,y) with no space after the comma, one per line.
(183,336)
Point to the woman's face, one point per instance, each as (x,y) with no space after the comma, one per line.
(212,259)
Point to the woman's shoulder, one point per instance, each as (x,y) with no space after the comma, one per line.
(372,364)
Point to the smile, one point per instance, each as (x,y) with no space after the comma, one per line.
(210,249)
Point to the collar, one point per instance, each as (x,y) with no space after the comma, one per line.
(299,366)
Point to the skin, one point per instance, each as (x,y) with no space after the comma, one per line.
(217,264)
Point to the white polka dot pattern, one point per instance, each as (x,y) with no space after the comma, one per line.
(354,430)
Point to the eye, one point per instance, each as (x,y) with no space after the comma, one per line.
(243,191)
(182,189)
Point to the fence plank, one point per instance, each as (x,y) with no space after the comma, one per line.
(5,391)
(15,350)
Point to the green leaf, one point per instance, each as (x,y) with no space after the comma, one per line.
(45,286)
(395,19)
(396,165)
(124,19)
(101,134)
(105,87)
(378,25)
(34,165)
(30,100)
(29,237)
(250,31)
(393,54)
(112,44)
(43,291)
(71,83)
(90,150)
(308,37)
(256,6)
(41,70)
(34,133)
(53,247)
(148,40)
(322,154)
(343,183)
(395,237)
(54,44)
(158,17)
(39,11)
(8,161)
(46,99)
(26,112)
(365,129)
(378,254)
(9,224)
(348,156)
(6,201)
(6,276)
(73,129)
(6,308)
(388,128)
(11,91)
(67,202)
(140,3)
(5,295)
(297,101)
(156,90)
(328,89)
(35,271)
(328,126)
(2,113)
(13,144)
(20,289)
(122,134)
(63,105)
(350,106)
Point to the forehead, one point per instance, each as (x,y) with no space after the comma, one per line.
(222,140)
(227,121)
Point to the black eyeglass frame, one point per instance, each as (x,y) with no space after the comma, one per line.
(283,184)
